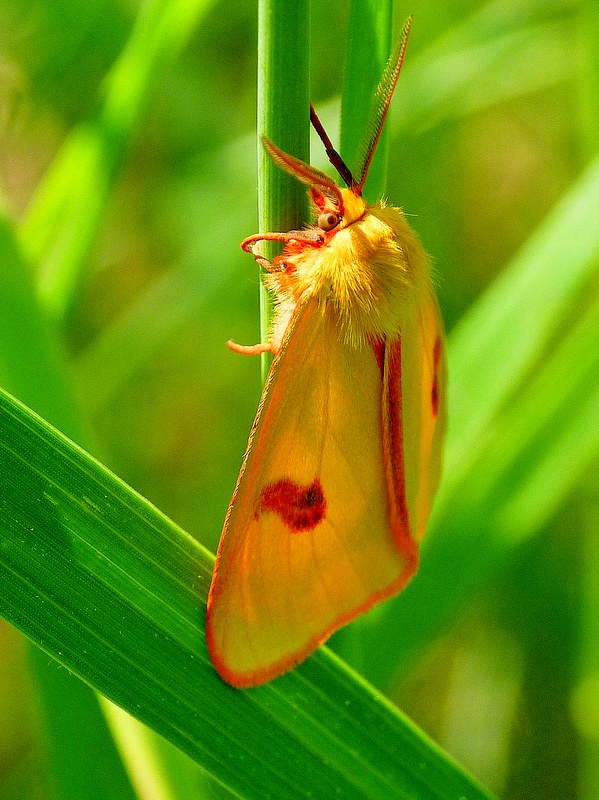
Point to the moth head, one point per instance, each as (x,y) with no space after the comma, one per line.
(336,207)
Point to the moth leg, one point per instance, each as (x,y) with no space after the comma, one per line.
(264,262)
(249,349)
(251,245)
(277,267)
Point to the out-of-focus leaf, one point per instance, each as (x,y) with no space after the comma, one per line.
(523,389)
(63,218)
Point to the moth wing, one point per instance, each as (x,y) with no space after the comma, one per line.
(309,542)
(417,364)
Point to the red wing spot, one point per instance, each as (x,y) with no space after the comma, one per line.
(300,507)
(435,386)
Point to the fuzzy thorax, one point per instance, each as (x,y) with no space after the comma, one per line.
(372,270)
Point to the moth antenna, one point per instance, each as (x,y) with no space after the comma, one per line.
(332,154)
(378,114)
(305,172)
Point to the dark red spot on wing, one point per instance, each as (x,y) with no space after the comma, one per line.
(435,386)
(300,507)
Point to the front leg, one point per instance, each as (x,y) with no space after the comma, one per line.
(279,268)
(250,245)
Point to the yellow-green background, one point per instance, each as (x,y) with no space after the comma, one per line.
(494,120)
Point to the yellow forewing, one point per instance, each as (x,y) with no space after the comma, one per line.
(345,454)
(312,537)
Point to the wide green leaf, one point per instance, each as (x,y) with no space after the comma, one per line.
(112,589)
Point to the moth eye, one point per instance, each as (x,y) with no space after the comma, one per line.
(328,220)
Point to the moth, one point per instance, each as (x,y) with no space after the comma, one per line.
(344,456)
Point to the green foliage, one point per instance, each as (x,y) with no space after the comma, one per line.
(126,612)
(129,172)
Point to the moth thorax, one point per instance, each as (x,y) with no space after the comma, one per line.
(373,273)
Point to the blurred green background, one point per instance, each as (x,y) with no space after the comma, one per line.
(494,120)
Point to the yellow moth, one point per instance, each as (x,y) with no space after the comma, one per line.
(344,456)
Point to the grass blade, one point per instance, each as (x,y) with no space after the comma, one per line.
(283,117)
(369,43)
(91,768)
(116,592)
